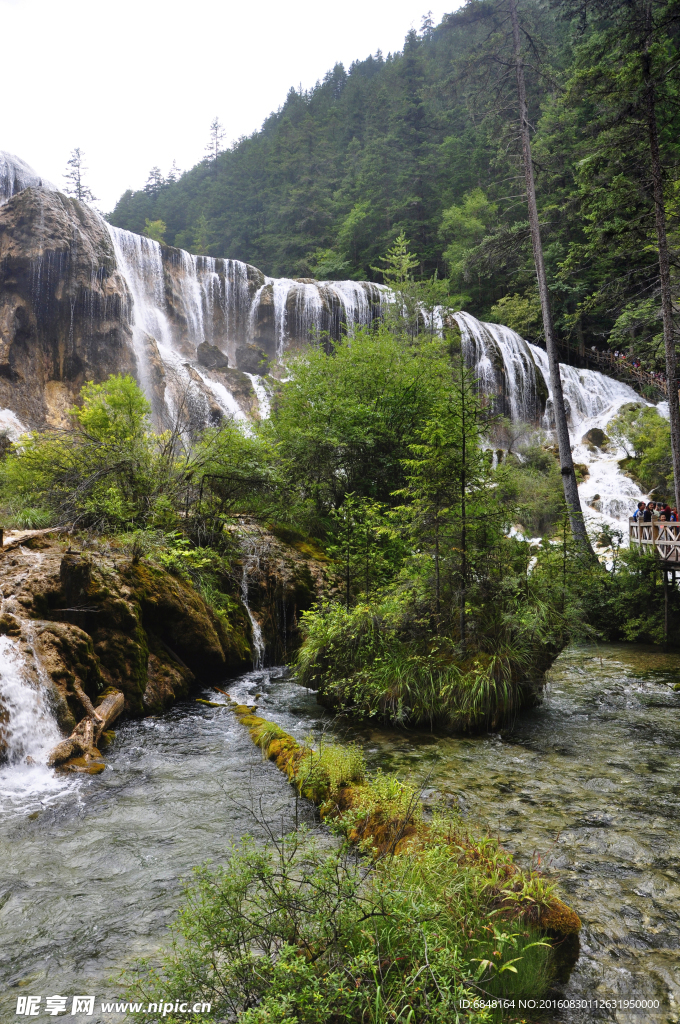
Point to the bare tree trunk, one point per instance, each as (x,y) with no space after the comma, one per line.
(463,509)
(571,494)
(664,255)
(88,731)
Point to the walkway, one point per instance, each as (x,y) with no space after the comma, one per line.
(664,538)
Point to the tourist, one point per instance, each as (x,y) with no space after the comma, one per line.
(674,515)
(648,512)
(638,513)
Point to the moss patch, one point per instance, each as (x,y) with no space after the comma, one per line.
(383,817)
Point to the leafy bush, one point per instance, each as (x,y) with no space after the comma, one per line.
(645,435)
(298,934)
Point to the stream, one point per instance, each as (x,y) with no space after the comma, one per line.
(588,783)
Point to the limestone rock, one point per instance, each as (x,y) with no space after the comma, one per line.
(211,357)
(61,305)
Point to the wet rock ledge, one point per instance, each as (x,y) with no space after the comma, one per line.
(89,625)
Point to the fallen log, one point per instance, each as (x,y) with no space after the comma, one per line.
(83,740)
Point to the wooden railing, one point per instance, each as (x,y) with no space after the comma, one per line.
(664,538)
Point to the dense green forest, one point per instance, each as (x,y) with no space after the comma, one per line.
(425,141)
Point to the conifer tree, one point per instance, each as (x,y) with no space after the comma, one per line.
(630,74)
(75,177)
(155,182)
(504,50)
(214,146)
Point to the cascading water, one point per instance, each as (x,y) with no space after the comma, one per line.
(181,301)
(177,302)
(16,175)
(28,731)
(515,374)
(251,562)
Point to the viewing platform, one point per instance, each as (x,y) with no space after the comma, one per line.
(664,538)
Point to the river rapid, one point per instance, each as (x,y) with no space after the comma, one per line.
(588,783)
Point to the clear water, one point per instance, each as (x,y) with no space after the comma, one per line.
(91,873)
(589,782)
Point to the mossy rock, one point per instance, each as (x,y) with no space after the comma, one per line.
(596,437)
(83,765)
(123,658)
(560,919)
(167,679)
(179,617)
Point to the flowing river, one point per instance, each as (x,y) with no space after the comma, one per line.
(588,782)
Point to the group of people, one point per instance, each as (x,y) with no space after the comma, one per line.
(632,361)
(655,512)
(637,365)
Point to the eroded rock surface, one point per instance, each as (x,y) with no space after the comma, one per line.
(88,624)
(61,305)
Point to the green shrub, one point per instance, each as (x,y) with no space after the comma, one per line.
(296,933)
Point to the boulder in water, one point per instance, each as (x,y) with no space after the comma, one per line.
(211,357)
(596,438)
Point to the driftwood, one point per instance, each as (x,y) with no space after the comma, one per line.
(83,740)
(13,538)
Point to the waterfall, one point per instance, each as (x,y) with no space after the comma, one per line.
(250,562)
(28,731)
(16,175)
(263,402)
(178,301)
(516,377)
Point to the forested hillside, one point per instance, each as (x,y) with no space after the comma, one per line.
(426,142)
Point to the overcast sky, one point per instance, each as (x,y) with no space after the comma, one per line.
(136,83)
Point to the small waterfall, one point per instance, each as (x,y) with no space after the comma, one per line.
(28,731)
(504,365)
(251,562)
(263,403)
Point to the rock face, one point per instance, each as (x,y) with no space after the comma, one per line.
(88,621)
(96,622)
(282,576)
(61,303)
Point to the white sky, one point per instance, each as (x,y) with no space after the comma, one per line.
(136,83)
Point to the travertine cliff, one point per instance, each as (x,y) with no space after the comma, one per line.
(61,298)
